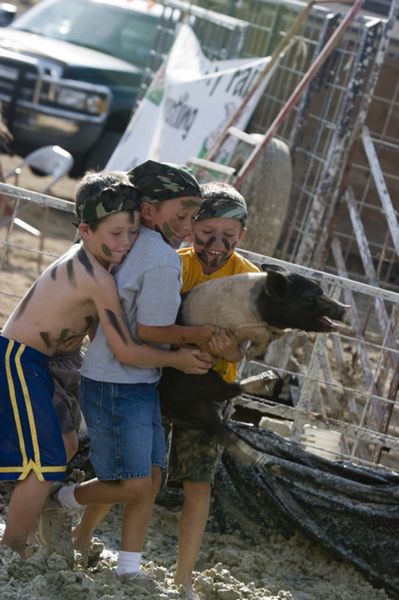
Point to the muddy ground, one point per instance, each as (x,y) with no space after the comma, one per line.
(230,568)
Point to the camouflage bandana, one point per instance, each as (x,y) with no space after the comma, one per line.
(228,208)
(112,199)
(157,182)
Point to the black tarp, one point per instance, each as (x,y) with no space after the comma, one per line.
(353,511)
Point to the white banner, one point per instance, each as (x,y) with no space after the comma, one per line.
(187,105)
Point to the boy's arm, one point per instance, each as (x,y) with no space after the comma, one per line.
(177,335)
(111,316)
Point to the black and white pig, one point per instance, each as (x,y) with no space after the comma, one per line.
(256,308)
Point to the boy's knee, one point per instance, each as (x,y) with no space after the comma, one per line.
(134,489)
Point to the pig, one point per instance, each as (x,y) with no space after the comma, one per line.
(259,307)
(256,308)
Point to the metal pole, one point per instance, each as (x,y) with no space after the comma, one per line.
(276,55)
(306,79)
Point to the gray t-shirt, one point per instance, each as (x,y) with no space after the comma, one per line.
(149,283)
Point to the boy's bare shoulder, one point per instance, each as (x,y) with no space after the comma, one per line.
(61,306)
(80,270)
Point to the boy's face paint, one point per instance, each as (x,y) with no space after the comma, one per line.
(174,219)
(113,238)
(85,261)
(107,250)
(215,240)
(24,302)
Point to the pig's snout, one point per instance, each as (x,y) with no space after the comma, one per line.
(333,309)
(340,311)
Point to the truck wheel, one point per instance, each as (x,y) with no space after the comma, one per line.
(101,152)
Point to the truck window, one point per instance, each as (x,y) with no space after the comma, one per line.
(123,33)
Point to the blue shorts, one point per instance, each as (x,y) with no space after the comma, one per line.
(30,435)
(125,429)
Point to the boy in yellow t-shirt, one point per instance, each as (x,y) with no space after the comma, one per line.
(219,227)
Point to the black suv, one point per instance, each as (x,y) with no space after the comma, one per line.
(70,72)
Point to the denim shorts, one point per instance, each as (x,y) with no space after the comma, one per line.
(125,429)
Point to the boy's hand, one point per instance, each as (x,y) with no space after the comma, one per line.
(203,335)
(224,344)
(193,361)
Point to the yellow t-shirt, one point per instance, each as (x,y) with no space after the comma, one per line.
(193,275)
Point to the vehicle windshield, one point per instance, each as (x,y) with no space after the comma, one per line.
(123,33)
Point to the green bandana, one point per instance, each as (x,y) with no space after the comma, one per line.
(115,198)
(157,182)
(228,208)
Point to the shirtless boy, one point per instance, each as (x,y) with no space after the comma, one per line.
(59,310)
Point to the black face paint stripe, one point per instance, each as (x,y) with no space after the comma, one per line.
(210,241)
(191,203)
(167,231)
(24,302)
(198,241)
(107,250)
(71,272)
(63,335)
(54,269)
(85,261)
(228,246)
(165,239)
(203,256)
(114,322)
(89,322)
(46,338)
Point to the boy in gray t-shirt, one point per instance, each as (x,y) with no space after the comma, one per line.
(121,404)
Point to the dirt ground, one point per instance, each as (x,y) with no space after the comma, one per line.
(230,567)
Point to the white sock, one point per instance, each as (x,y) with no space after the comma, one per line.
(66,497)
(128,562)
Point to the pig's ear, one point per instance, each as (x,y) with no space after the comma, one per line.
(268,267)
(276,284)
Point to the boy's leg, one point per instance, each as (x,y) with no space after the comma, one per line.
(192,463)
(137,515)
(85,495)
(65,372)
(123,454)
(139,496)
(31,437)
(193,520)
(92,516)
(26,502)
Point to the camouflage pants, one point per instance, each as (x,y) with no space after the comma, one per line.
(193,454)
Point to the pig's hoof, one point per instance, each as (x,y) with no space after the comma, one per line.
(268,383)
